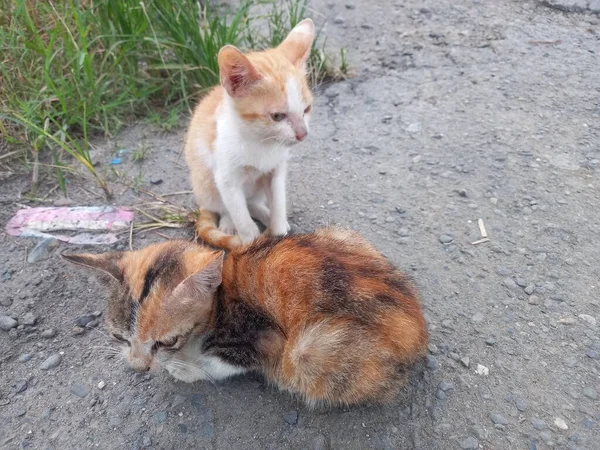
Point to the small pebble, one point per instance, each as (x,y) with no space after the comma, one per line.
(80,390)
(589,319)
(521,282)
(446,385)
(7,323)
(42,250)
(440,395)
(51,362)
(561,424)
(48,334)
(529,289)
(446,239)
(20,386)
(291,417)
(498,419)
(432,362)
(534,300)
(101,385)
(160,417)
(29,319)
(490,341)
(590,393)
(469,443)
(82,321)
(510,283)
(465,361)
(482,370)
(477,317)
(24,357)
(78,331)
(503,271)
(538,423)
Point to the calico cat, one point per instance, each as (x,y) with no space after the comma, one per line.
(321,315)
(238,140)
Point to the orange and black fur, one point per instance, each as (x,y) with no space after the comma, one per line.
(321,315)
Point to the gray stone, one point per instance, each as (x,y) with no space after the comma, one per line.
(534,300)
(51,362)
(42,250)
(510,283)
(521,282)
(469,443)
(80,390)
(21,386)
(477,317)
(498,419)
(160,417)
(6,301)
(291,417)
(446,385)
(503,271)
(29,319)
(490,341)
(593,354)
(77,331)
(573,5)
(590,393)
(432,362)
(82,321)
(6,323)
(538,423)
(529,289)
(546,436)
(520,404)
(49,333)
(440,395)
(24,357)
(446,239)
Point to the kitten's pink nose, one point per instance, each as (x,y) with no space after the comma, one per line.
(301,134)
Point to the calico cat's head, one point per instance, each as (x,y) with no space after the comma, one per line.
(160,298)
(269,89)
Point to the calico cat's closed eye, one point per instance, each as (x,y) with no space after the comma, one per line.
(278,117)
(308,109)
(168,343)
(120,338)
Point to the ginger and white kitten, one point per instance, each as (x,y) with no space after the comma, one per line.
(238,140)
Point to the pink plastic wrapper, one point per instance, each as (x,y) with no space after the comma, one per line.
(37,222)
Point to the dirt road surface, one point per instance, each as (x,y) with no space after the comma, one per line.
(456,111)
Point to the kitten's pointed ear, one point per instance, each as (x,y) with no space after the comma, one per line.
(106,263)
(204,283)
(236,71)
(298,43)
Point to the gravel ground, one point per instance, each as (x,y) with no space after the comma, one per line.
(456,111)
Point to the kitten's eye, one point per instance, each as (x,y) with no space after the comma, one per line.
(308,109)
(278,117)
(120,338)
(168,342)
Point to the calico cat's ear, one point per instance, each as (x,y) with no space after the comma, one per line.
(236,71)
(298,43)
(203,283)
(106,263)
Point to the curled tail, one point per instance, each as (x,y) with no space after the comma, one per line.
(206,229)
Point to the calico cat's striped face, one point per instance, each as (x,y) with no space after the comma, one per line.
(160,297)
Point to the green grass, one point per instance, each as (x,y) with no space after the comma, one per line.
(74,69)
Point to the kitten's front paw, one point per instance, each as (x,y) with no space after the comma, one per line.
(249,234)
(279,229)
